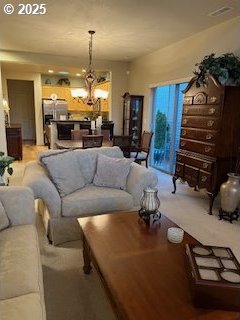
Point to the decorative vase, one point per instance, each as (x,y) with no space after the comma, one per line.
(230,193)
(149,205)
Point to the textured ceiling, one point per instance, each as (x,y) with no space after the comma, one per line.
(125,29)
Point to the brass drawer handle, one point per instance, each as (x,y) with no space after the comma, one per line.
(209,136)
(184,121)
(179,158)
(210,123)
(178,169)
(184,132)
(211,110)
(186,110)
(205,165)
(183,143)
(187,100)
(213,99)
(208,149)
(203,178)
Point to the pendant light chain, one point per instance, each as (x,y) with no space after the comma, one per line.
(90,49)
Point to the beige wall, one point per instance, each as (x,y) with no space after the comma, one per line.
(118,71)
(177,61)
(173,62)
(3,146)
(36,78)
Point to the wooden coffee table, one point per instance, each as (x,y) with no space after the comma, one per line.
(143,274)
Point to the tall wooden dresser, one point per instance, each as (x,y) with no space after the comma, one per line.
(210,136)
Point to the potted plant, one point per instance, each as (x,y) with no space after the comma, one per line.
(225,69)
(5,162)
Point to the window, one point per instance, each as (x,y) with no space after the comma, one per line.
(167,114)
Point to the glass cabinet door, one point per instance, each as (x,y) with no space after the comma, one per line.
(132,117)
(126,117)
(136,123)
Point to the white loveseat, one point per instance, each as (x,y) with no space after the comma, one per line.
(21,283)
(60,213)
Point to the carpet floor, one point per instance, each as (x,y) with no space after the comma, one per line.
(72,295)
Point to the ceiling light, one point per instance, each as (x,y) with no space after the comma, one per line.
(83,70)
(63,73)
(90,95)
(78,74)
(220,11)
(50,71)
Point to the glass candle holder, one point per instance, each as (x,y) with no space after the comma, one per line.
(149,204)
(150,201)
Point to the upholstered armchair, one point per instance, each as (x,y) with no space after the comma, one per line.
(60,212)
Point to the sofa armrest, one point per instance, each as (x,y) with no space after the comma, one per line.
(36,178)
(18,203)
(138,179)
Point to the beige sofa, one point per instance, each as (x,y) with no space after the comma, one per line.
(60,213)
(21,283)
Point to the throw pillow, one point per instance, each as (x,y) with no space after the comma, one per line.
(112,172)
(64,172)
(4,222)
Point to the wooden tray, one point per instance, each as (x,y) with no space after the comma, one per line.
(214,275)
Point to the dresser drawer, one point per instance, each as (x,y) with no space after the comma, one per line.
(198,134)
(14,131)
(200,122)
(195,162)
(179,169)
(202,110)
(204,180)
(197,146)
(191,174)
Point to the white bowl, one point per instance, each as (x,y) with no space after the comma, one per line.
(175,235)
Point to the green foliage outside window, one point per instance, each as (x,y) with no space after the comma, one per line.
(160,130)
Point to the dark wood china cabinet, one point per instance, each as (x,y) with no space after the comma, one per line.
(132,117)
(210,136)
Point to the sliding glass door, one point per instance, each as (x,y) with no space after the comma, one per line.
(167,113)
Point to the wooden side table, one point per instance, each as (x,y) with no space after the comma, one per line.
(14,141)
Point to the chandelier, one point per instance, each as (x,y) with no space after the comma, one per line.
(89,95)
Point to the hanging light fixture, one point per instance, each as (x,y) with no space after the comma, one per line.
(90,96)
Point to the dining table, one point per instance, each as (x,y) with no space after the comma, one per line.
(77,144)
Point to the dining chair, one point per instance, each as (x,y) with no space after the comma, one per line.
(92,141)
(77,134)
(142,152)
(124,143)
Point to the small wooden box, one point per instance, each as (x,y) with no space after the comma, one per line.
(214,275)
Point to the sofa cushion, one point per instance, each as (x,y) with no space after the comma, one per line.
(49,152)
(94,200)
(112,172)
(64,172)
(20,267)
(87,159)
(4,222)
(27,307)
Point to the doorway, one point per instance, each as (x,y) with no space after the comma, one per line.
(167,114)
(22,110)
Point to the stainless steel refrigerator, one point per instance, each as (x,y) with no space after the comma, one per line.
(57,110)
